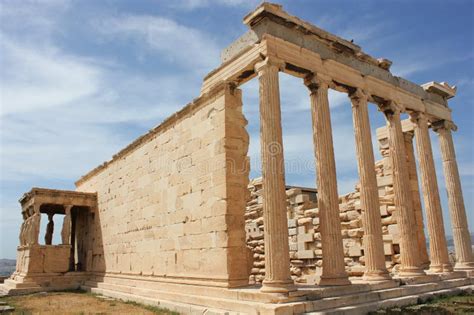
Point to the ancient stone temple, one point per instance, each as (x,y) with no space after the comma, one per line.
(173,220)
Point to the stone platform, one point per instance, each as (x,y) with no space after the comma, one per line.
(358,298)
(17,285)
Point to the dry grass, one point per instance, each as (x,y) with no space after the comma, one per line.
(449,305)
(76,303)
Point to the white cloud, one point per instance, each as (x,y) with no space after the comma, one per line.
(199,4)
(422,58)
(59,111)
(180,45)
(32,20)
(34,79)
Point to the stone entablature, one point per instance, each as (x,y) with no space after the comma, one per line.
(38,196)
(307,49)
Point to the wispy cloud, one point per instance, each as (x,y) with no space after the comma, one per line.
(424,58)
(183,46)
(51,97)
(199,4)
(34,78)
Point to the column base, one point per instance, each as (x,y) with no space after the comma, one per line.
(278,286)
(411,272)
(425,265)
(464,266)
(334,280)
(376,276)
(443,268)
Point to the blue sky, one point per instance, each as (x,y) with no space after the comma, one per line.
(81,79)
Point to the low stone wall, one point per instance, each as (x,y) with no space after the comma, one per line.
(55,258)
(303,227)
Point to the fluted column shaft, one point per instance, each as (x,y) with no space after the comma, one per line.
(461,235)
(416,199)
(277,259)
(410,262)
(439,259)
(333,266)
(372,221)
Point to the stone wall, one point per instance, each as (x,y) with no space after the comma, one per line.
(54,259)
(170,205)
(303,223)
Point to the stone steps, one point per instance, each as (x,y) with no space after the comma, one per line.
(404,295)
(251,294)
(6,309)
(390,303)
(173,300)
(358,298)
(343,300)
(20,285)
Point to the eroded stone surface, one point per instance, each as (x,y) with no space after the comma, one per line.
(166,220)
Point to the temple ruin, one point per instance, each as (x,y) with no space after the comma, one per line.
(173,219)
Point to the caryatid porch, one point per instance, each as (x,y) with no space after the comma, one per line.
(38,257)
(325,61)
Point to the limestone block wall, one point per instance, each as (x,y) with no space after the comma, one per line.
(54,259)
(170,205)
(303,223)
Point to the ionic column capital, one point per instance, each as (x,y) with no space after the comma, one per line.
(268,63)
(358,97)
(389,108)
(443,125)
(418,118)
(314,82)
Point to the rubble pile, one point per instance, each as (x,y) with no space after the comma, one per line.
(303,228)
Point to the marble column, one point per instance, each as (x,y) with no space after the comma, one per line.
(333,266)
(372,221)
(461,235)
(416,199)
(277,258)
(409,251)
(439,258)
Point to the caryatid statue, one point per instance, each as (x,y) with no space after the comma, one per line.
(34,228)
(48,238)
(66,231)
(22,229)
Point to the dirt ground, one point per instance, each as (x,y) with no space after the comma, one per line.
(76,303)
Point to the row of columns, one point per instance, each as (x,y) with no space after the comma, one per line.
(277,269)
